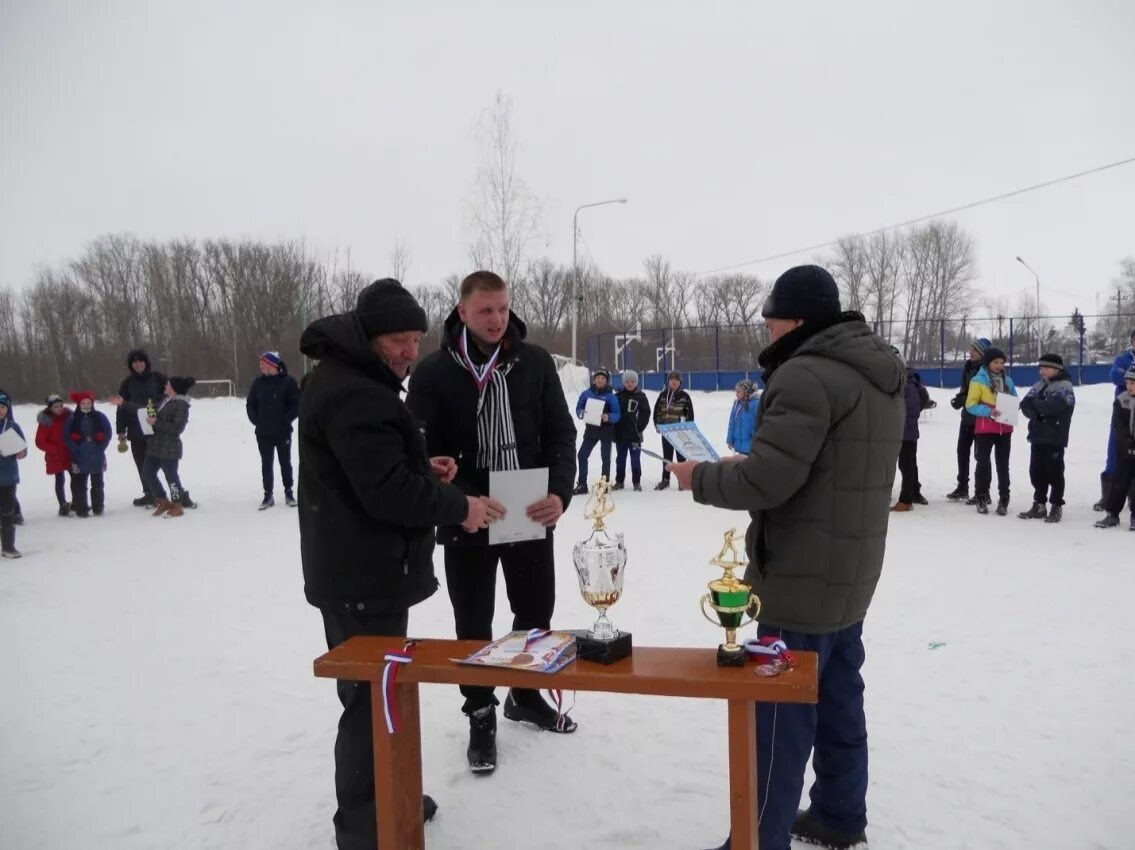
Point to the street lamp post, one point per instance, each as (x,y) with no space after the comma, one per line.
(1037,276)
(575,269)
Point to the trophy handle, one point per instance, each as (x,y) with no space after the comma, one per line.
(712,620)
(753,600)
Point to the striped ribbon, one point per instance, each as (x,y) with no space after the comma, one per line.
(481,374)
(394,660)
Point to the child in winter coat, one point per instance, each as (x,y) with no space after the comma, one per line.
(990,435)
(604,434)
(634,416)
(88,435)
(273,404)
(1048,406)
(917,399)
(1123,431)
(672,405)
(9,478)
(977,350)
(743,418)
(1123,361)
(163,449)
(50,439)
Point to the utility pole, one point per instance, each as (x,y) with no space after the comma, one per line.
(1118,299)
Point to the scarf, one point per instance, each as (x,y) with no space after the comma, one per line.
(776,354)
(496,434)
(997,382)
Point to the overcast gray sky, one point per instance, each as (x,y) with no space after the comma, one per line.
(737,130)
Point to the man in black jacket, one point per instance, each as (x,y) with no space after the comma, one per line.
(141,387)
(494,402)
(977,350)
(370,496)
(635,416)
(273,404)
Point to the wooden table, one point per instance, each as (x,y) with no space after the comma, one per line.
(650,670)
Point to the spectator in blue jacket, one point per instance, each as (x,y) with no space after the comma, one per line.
(273,405)
(9,478)
(88,434)
(1048,406)
(604,433)
(743,418)
(1123,361)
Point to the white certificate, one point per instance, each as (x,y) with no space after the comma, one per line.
(143,416)
(516,489)
(593,411)
(1009,406)
(11,443)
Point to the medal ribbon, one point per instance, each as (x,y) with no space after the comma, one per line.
(770,650)
(481,374)
(394,660)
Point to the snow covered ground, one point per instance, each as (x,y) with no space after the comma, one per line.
(156,687)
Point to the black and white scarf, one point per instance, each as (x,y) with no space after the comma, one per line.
(496,435)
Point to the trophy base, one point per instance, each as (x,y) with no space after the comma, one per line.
(602,651)
(730,657)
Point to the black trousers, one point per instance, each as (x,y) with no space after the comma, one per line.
(668,452)
(530,580)
(168,467)
(282,448)
(965,450)
(1122,485)
(1046,472)
(910,489)
(138,450)
(79,491)
(997,445)
(8,517)
(355,824)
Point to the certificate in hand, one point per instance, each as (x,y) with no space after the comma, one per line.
(688,440)
(11,443)
(1009,406)
(593,411)
(516,489)
(143,422)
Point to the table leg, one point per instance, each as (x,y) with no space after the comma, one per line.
(398,771)
(743,774)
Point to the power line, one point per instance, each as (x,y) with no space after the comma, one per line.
(923,218)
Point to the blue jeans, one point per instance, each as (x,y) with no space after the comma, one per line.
(621,451)
(585,452)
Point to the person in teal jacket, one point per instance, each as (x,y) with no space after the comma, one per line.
(9,478)
(603,433)
(743,418)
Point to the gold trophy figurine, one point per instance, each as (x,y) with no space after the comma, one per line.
(600,562)
(730,598)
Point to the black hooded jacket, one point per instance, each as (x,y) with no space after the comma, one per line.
(368,503)
(138,390)
(444,396)
(273,403)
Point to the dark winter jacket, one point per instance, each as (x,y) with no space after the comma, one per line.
(444,397)
(1123,427)
(273,404)
(742,424)
(88,435)
(368,502)
(673,406)
(137,390)
(817,481)
(915,402)
(9,466)
(173,416)
(958,402)
(1049,406)
(52,441)
(634,415)
(1123,361)
(611,408)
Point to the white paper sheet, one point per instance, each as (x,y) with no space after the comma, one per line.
(516,489)
(593,411)
(1010,408)
(147,428)
(11,443)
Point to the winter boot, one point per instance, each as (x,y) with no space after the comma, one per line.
(184,500)
(664,484)
(146,501)
(920,500)
(901,507)
(18,518)
(267,503)
(162,506)
(1037,511)
(618,485)
(1055,515)
(971,501)
(959,493)
(538,713)
(64,509)
(1002,507)
(482,752)
(1109,521)
(1105,491)
(175,509)
(97,511)
(580,489)
(1131,524)
(83,513)
(982,503)
(429,808)
(807,828)
(11,554)
(290,500)
(637,486)
(8,542)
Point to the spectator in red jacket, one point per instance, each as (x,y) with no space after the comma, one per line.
(52,441)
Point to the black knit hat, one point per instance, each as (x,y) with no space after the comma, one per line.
(603,372)
(181,386)
(1053,361)
(993,353)
(386,307)
(803,292)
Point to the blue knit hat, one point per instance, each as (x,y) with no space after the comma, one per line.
(5,400)
(272,358)
(981,345)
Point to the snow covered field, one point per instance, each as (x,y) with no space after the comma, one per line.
(156,686)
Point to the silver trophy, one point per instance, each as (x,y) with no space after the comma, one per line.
(600,561)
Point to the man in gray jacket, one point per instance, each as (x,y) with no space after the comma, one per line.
(817,484)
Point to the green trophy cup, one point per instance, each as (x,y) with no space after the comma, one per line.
(730,598)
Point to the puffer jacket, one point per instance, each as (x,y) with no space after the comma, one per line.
(742,424)
(138,389)
(173,416)
(9,465)
(982,399)
(52,441)
(1123,361)
(634,415)
(817,480)
(912,395)
(1049,406)
(606,431)
(1123,426)
(88,435)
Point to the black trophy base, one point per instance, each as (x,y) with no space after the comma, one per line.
(730,657)
(602,651)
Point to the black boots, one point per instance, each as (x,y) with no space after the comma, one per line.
(807,828)
(959,493)
(64,509)
(538,713)
(1055,515)
(482,752)
(1037,511)
(1002,507)
(290,500)
(1109,521)
(618,485)
(146,501)
(580,489)
(982,503)
(267,503)
(1105,491)
(663,484)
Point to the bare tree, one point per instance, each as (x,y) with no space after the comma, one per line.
(401,258)
(849,264)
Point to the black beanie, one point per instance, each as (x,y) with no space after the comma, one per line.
(386,307)
(181,386)
(1054,361)
(993,353)
(803,292)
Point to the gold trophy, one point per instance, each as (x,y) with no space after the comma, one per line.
(600,561)
(730,598)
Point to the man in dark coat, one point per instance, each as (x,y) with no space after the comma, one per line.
(817,484)
(1048,406)
(977,350)
(370,497)
(634,416)
(141,387)
(917,399)
(273,404)
(494,402)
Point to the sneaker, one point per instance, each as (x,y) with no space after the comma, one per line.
(901,507)
(267,503)
(146,501)
(579,490)
(64,509)
(1002,507)
(637,487)
(662,485)
(920,500)
(959,493)
(1037,511)
(543,716)
(1055,515)
(807,828)
(618,485)
(982,503)
(290,500)
(482,752)
(1109,521)
(11,554)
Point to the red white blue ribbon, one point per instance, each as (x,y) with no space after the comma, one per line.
(771,654)
(533,635)
(481,374)
(394,660)
(557,698)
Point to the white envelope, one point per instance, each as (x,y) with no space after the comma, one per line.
(593,411)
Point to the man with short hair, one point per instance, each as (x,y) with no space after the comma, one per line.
(272,405)
(140,388)
(817,484)
(494,402)
(370,497)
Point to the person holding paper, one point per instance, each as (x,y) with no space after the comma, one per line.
(494,401)
(9,478)
(1048,406)
(369,499)
(599,407)
(49,439)
(672,405)
(141,387)
(991,435)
